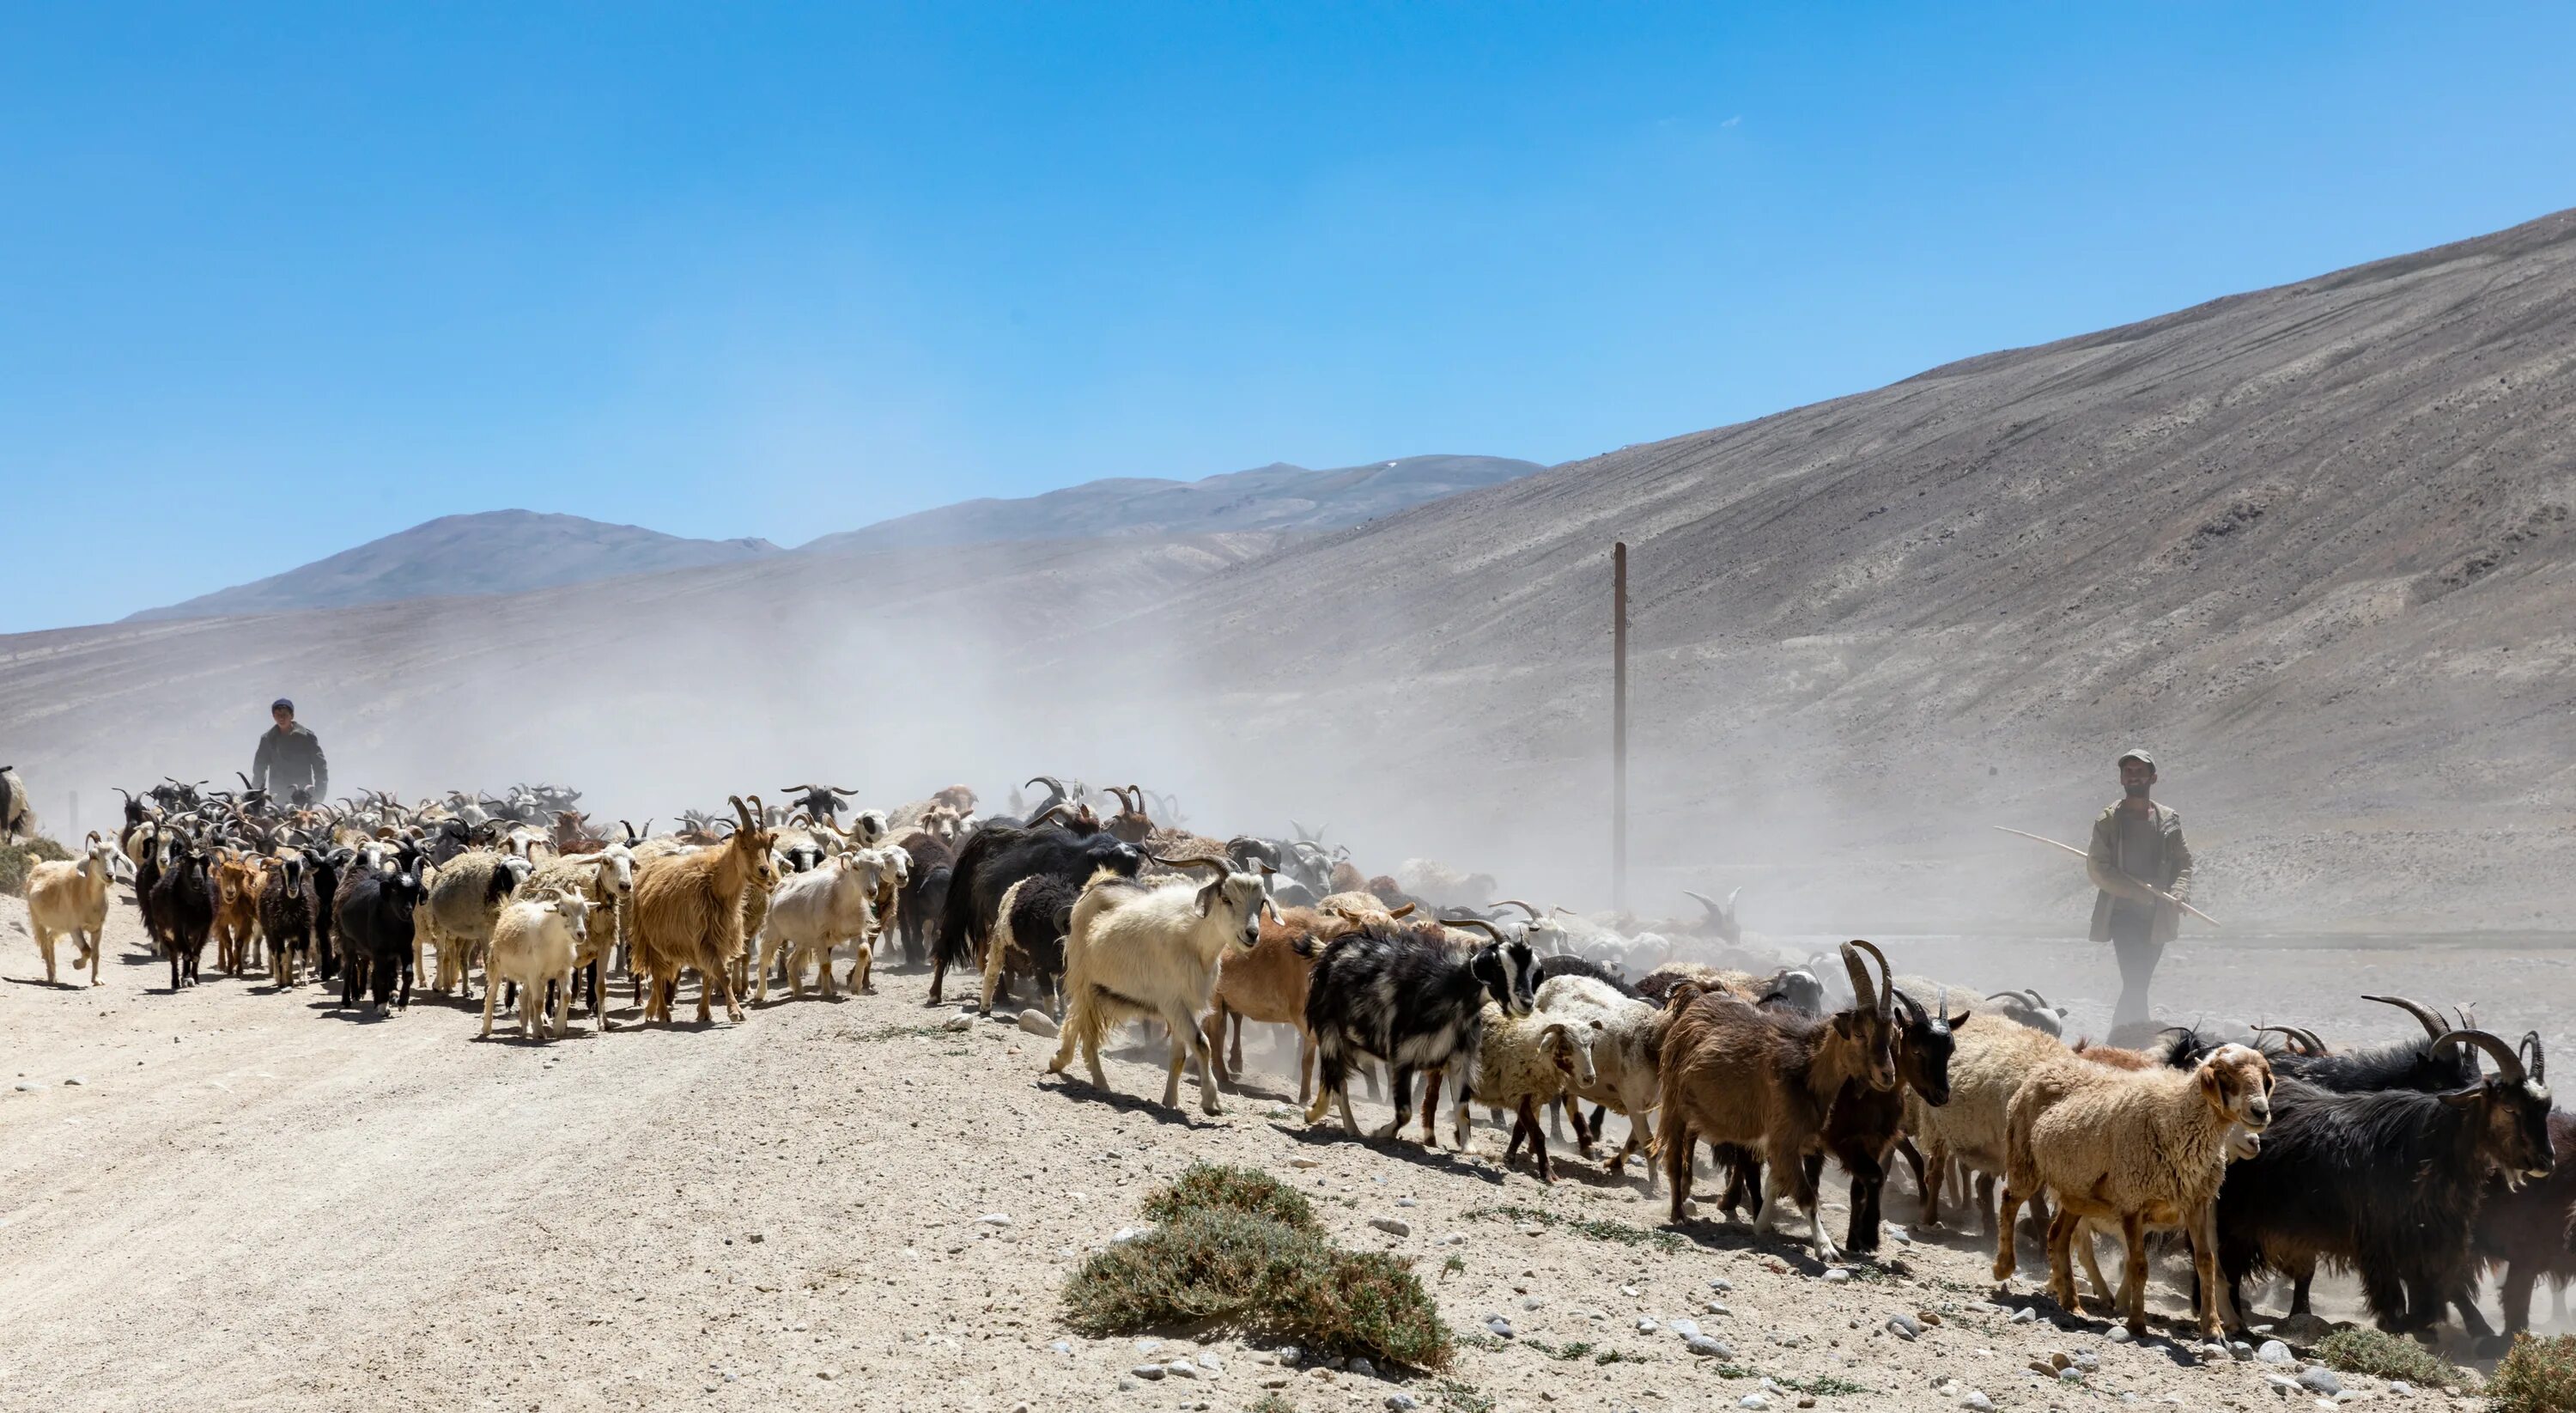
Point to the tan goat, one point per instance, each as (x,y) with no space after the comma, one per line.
(688,914)
(69,896)
(1268,984)
(2136,1147)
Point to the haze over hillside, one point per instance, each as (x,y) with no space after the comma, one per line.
(2310,543)
(509,551)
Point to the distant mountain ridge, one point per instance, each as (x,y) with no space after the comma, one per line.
(495,552)
(513,551)
(1278,497)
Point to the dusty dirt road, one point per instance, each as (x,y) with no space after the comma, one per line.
(249,1200)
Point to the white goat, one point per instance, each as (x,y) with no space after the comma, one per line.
(1626,1041)
(70,896)
(1150,951)
(532,944)
(813,912)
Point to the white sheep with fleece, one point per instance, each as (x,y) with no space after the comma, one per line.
(1150,951)
(1523,1064)
(533,943)
(1625,1050)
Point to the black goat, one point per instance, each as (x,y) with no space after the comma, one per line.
(183,905)
(1041,915)
(327,871)
(920,897)
(373,918)
(1568,964)
(2388,1183)
(1402,992)
(287,913)
(2524,1230)
(992,859)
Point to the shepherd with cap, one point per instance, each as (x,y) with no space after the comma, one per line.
(2137,853)
(289,765)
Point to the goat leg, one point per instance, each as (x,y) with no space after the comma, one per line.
(1431,1105)
(1675,1135)
(1400,1089)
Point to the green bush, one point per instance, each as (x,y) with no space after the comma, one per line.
(2385,1356)
(1236,1246)
(16,860)
(2537,1376)
(1223,1187)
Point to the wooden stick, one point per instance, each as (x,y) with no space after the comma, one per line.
(2161,895)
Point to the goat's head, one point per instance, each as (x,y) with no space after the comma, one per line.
(1718,919)
(1924,1046)
(1570,1047)
(616,871)
(1116,855)
(2510,1107)
(1229,894)
(2029,1008)
(2237,1082)
(1868,1028)
(1131,823)
(1507,966)
(2438,1061)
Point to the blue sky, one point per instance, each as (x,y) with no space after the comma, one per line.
(277,280)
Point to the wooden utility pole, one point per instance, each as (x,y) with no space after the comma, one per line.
(1619,727)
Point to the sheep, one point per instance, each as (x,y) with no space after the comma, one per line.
(288,911)
(1029,937)
(465,898)
(1987,1064)
(815,911)
(1151,951)
(374,920)
(1524,1064)
(2390,1183)
(2136,1147)
(1404,994)
(1765,1079)
(688,916)
(1625,1046)
(534,943)
(240,879)
(1269,984)
(606,881)
(69,896)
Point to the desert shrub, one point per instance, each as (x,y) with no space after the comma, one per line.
(1224,1187)
(2537,1376)
(1268,1267)
(2385,1356)
(20,858)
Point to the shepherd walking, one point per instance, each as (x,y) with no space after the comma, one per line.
(2137,852)
(289,763)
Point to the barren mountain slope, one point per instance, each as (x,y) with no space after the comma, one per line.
(2312,543)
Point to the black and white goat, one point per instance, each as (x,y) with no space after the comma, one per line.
(1402,992)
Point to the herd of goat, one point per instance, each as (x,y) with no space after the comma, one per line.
(2264,1149)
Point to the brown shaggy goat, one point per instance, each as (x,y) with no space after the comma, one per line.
(688,914)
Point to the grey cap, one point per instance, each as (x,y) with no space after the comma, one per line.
(281,704)
(2138,754)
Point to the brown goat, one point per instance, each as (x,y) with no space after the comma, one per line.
(1766,1079)
(1268,984)
(688,915)
(239,880)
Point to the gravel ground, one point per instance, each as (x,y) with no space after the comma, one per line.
(259,1201)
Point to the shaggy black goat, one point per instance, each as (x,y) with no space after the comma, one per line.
(287,910)
(2388,1183)
(992,859)
(373,918)
(1402,992)
(182,906)
(1568,964)
(1041,915)
(2525,1230)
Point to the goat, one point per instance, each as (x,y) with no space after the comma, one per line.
(2524,1230)
(534,945)
(606,881)
(688,914)
(373,920)
(183,902)
(2028,1008)
(815,911)
(1864,1124)
(1029,938)
(17,819)
(923,893)
(2426,1066)
(1763,1078)
(1524,1064)
(1269,984)
(287,913)
(1151,951)
(1403,994)
(69,896)
(239,880)
(2388,1183)
(995,857)
(465,898)
(2135,1147)
(823,802)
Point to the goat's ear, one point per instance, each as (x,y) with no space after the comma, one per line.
(2464,1098)
(1208,894)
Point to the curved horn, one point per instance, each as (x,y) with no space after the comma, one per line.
(1060,807)
(2433,1024)
(1534,914)
(2539,1061)
(2508,1064)
(1221,866)
(2307,1039)
(794,789)
(1716,911)
(1047,780)
(1886,979)
(1941,1006)
(1864,990)
(1475,924)
(1402,912)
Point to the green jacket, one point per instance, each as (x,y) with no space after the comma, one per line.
(2100,862)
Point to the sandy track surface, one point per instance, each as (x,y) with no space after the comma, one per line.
(250,1200)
